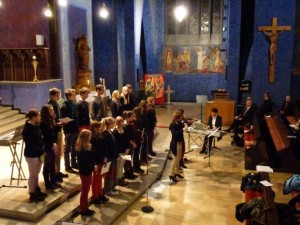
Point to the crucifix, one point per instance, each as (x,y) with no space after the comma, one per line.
(169,92)
(272,32)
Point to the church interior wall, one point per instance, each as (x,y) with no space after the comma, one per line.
(106,44)
(19,23)
(264,12)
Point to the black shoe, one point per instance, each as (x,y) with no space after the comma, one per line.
(149,158)
(36,197)
(39,191)
(130,176)
(153,153)
(51,187)
(75,166)
(88,213)
(70,170)
(138,170)
(169,157)
(179,176)
(104,198)
(62,175)
(98,201)
(56,184)
(58,179)
(173,178)
(183,166)
(203,152)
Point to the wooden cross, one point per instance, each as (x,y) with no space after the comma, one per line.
(169,92)
(272,32)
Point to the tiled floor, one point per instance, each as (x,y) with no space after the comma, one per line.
(207,195)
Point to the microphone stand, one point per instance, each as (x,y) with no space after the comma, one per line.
(147,208)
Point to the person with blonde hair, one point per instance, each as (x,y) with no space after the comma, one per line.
(123,147)
(176,127)
(86,166)
(115,105)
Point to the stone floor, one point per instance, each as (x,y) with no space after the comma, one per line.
(206,196)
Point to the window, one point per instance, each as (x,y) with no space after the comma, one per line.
(202,26)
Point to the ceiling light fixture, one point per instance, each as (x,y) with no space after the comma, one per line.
(180,12)
(63,3)
(48,11)
(103,12)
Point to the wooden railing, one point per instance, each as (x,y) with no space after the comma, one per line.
(16,64)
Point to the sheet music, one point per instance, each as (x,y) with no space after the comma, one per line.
(105,168)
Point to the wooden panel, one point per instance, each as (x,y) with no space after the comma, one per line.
(225,108)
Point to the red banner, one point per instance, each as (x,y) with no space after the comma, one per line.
(154,86)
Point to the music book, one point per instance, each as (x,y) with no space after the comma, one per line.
(105,168)
(266,183)
(264,169)
(65,120)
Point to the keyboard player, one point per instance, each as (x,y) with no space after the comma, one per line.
(214,122)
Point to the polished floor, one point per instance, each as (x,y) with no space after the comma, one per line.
(206,196)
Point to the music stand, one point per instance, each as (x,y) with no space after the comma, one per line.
(209,149)
(147,208)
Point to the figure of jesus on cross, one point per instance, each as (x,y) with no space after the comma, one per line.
(272,32)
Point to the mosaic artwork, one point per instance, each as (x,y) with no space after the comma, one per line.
(193,59)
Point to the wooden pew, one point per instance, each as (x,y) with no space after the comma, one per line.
(278,131)
(254,146)
(293,119)
(267,196)
(286,160)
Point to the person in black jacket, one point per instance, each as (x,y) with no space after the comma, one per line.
(100,156)
(86,165)
(123,148)
(50,139)
(112,155)
(176,127)
(115,105)
(266,107)
(54,96)
(245,118)
(69,109)
(287,107)
(34,149)
(214,122)
(83,110)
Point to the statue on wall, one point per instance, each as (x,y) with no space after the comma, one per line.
(83,51)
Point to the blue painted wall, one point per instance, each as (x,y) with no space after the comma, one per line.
(265,11)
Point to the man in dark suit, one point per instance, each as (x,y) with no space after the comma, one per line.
(287,107)
(214,122)
(245,118)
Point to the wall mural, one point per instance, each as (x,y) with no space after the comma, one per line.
(193,59)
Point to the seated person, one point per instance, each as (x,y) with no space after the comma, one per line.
(266,107)
(289,214)
(214,122)
(287,107)
(245,118)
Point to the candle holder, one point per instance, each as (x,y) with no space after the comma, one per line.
(34,64)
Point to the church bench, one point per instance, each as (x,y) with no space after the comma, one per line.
(254,146)
(278,132)
(267,195)
(293,119)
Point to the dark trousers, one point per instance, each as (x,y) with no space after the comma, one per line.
(70,141)
(49,167)
(136,157)
(85,188)
(150,133)
(110,180)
